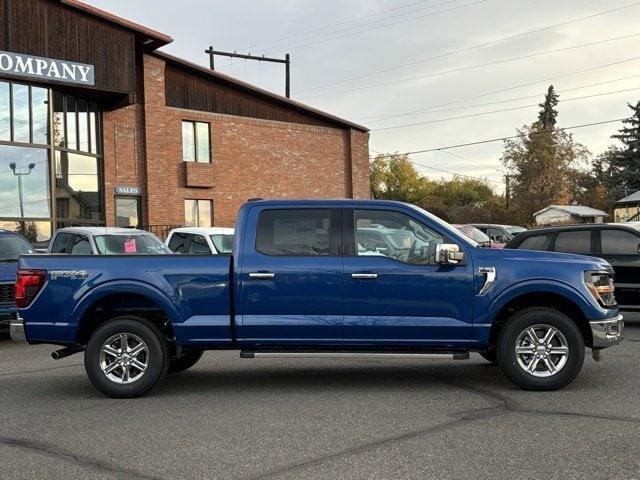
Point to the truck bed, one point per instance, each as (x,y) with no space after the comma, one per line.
(193,290)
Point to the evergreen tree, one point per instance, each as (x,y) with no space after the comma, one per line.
(624,163)
(548,114)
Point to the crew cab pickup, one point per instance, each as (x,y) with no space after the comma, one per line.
(305,280)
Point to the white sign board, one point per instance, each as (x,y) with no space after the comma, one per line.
(46,68)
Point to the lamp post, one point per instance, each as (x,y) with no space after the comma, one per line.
(18,174)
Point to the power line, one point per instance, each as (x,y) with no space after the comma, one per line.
(304,45)
(454,173)
(478,65)
(280,45)
(501,139)
(473,47)
(469,159)
(470,115)
(497,102)
(527,84)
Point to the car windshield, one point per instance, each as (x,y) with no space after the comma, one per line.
(11,247)
(223,243)
(122,244)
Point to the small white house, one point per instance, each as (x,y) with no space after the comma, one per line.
(569,214)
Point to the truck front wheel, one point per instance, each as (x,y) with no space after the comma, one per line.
(540,349)
(126,357)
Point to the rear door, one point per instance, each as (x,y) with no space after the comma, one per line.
(582,242)
(621,248)
(291,277)
(398,295)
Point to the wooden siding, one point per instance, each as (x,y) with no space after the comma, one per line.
(49,29)
(192,91)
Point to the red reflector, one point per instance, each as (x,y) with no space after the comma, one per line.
(28,284)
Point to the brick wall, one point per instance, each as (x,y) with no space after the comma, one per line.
(250,158)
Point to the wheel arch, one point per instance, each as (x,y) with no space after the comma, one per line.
(554,300)
(119,298)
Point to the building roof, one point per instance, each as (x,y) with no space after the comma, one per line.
(633,198)
(576,210)
(194,67)
(150,38)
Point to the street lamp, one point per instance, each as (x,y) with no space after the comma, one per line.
(12,166)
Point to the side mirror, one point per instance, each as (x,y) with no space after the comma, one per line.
(449,254)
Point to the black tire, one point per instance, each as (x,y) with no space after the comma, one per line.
(188,359)
(489,356)
(155,355)
(518,325)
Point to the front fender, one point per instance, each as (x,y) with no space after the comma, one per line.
(121,286)
(542,286)
(489,306)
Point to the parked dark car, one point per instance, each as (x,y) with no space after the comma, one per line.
(12,245)
(619,244)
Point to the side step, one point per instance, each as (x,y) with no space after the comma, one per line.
(358,354)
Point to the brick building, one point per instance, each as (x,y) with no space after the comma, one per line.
(99,127)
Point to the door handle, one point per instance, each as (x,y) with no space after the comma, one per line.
(364,276)
(262,275)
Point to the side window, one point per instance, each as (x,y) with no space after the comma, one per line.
(574,242)
(60,243)
(198,245)
(80,245)
(294,232)
(394,235)
(619,242)
(178,242)
(535,242)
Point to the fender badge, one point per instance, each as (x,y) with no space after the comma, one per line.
(69,274)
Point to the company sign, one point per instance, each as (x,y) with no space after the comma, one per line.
(46,68)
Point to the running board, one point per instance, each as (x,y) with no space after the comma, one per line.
(393,355)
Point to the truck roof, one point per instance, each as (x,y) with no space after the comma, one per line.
(329,202)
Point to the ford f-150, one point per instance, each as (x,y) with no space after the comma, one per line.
(307,279)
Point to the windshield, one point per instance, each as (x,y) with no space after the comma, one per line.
(11,247)
(475,234)
(447,226)
(223,243)
(129,245)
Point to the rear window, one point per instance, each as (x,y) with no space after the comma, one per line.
(294,232)
(574,242)
(535,242)
(619,242)
(12,246)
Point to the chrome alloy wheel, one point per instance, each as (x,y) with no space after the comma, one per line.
(124,358)
(542,350)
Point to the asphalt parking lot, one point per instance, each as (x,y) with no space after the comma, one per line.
(320,419)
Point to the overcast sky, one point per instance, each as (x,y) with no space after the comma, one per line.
(333,41)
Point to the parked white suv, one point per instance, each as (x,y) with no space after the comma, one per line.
(106,241)
(201,240)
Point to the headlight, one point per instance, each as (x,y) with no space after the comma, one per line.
(600,285)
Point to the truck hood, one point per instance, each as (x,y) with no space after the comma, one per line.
(8,271)
(555,257)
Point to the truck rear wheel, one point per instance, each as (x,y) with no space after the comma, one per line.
(126,357)
(540,349)
(187,360)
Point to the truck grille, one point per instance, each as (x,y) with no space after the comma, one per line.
(7,292)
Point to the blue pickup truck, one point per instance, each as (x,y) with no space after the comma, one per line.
(310,279)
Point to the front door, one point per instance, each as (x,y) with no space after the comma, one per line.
(395,293)
(291,278)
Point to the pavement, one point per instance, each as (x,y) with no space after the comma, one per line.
(229,418)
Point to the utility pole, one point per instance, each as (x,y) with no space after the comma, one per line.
(507,189)
(286,60)
(12,166)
